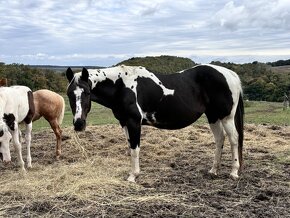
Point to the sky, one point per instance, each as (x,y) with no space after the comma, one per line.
(105,32)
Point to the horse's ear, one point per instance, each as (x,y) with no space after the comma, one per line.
(85,75)
(69,74)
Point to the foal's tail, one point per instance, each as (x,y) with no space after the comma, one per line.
(61,115)
(239,123)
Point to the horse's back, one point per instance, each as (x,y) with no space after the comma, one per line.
(16,100)
(48,104)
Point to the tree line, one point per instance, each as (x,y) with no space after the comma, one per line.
(260,81)
(34,78)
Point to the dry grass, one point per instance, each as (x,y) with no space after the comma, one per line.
(90,178)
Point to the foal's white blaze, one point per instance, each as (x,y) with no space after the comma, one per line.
(78,92)
(134,164)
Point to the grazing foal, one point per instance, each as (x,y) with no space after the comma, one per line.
(51,106)
(139,97)
(16,106)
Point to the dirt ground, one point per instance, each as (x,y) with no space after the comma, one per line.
(90,178)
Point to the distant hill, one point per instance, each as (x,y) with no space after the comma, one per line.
(160,64)
(279,63)
(61,69)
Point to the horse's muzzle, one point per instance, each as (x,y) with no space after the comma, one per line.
(4,161)
(80,125)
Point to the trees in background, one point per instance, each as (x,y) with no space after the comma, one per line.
(19,74)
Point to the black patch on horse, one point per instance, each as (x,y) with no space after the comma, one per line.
(9,120)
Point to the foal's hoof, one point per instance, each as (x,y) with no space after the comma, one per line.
(234,176)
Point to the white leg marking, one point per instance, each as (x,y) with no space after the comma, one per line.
(135,168)
(219,136)
(28,143)
(232,133)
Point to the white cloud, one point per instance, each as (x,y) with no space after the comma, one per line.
(72,31)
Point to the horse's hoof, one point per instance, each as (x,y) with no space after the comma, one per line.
(213,172)
(22,172)
(131,178)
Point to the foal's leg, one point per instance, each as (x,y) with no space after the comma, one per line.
(219,136)
(232,133)
(17,146)
(28,143)
(134,130)
(57,131)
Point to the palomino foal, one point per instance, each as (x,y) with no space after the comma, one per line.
(139,97)
(16,106)
(51,106)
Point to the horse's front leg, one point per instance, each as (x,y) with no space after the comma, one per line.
(17,146)
(28,142)
(134,130)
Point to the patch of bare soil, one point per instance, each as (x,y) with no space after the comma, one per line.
(90,178)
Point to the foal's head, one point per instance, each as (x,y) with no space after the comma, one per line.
(78,92)
(5,138)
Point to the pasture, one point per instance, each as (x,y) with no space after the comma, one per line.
(90,178)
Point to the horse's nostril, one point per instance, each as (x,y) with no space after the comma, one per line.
(1,156)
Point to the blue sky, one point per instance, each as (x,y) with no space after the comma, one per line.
(104,32)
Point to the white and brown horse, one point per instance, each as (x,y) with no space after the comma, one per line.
(50,106)
(16,106)
(139,97)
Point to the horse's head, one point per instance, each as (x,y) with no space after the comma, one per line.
(5,138)
(78,93)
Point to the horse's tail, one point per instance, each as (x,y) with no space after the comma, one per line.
(61,115)
(239,123)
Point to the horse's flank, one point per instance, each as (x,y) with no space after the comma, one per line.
(49,105)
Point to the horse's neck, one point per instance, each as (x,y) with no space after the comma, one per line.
(104,93)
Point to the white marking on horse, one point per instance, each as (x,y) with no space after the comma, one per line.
(128,74)
(78,92)
(135,170)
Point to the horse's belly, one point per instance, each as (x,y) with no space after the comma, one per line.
(170,121)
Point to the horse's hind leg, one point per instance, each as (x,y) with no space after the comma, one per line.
(28,143)
(232,133)
(219,136)
(57,131)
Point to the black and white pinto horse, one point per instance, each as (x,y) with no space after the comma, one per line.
(16,106)
(139,97)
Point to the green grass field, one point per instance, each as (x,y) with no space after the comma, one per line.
(255,112)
